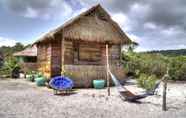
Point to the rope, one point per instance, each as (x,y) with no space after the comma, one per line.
(117,83)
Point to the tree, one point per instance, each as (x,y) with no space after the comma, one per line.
(132,46)
(8,63)
(18,47)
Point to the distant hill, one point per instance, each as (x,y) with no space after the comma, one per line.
(179,52)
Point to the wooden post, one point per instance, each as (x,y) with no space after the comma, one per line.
(108,80)
(164,99)
(62,51)
(120,52)
(164,106)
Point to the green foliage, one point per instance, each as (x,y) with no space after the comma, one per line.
(32,75)
(8,51)
(155,64)
(9,65)
(145,63)
(171,53)
(8,62)
(177,68)
(147,82)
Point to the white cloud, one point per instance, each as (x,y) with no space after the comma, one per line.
(141,10)
(181,46)
(150,26)
(134,38)
(140,49)
(42,9)
(171,31)
(63,12)
(122,20)
(31,13)
(7,42)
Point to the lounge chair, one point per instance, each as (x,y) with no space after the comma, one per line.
(61,84)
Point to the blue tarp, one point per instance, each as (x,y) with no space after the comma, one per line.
(61,83)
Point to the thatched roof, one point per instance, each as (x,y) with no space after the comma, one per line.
(30,51)
(93,25)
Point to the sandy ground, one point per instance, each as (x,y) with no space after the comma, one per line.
(23,99)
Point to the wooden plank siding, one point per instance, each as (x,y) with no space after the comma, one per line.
(86,61)
(44,58)
(83,75)
(69,52)
(56,58)
(114,54)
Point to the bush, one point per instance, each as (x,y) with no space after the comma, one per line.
(5,72)
(150,67)
(177,68)
(150,64)
(147,82)
(10,64)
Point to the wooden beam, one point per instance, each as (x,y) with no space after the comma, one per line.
(107,66)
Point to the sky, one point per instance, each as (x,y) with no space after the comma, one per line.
(154,24)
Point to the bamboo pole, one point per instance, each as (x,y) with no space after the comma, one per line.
(63,53)
(107,64)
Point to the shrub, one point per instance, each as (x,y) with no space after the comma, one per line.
(5,72)
(154,64)
(10,64)
(177,68)
(147,82)
(150,64)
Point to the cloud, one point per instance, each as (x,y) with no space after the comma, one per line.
(154,24)
(149,25)
(122,20)
(43,9)
(7,42)
(31,13)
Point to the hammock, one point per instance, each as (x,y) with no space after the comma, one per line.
(127,95)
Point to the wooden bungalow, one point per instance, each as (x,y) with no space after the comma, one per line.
(27,59)
(79,47)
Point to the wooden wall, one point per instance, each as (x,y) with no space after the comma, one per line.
(85,60)
(56,58)
(114,54)
(26,67)
(83,75)
(69,52)
(88,53)
(44,58)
